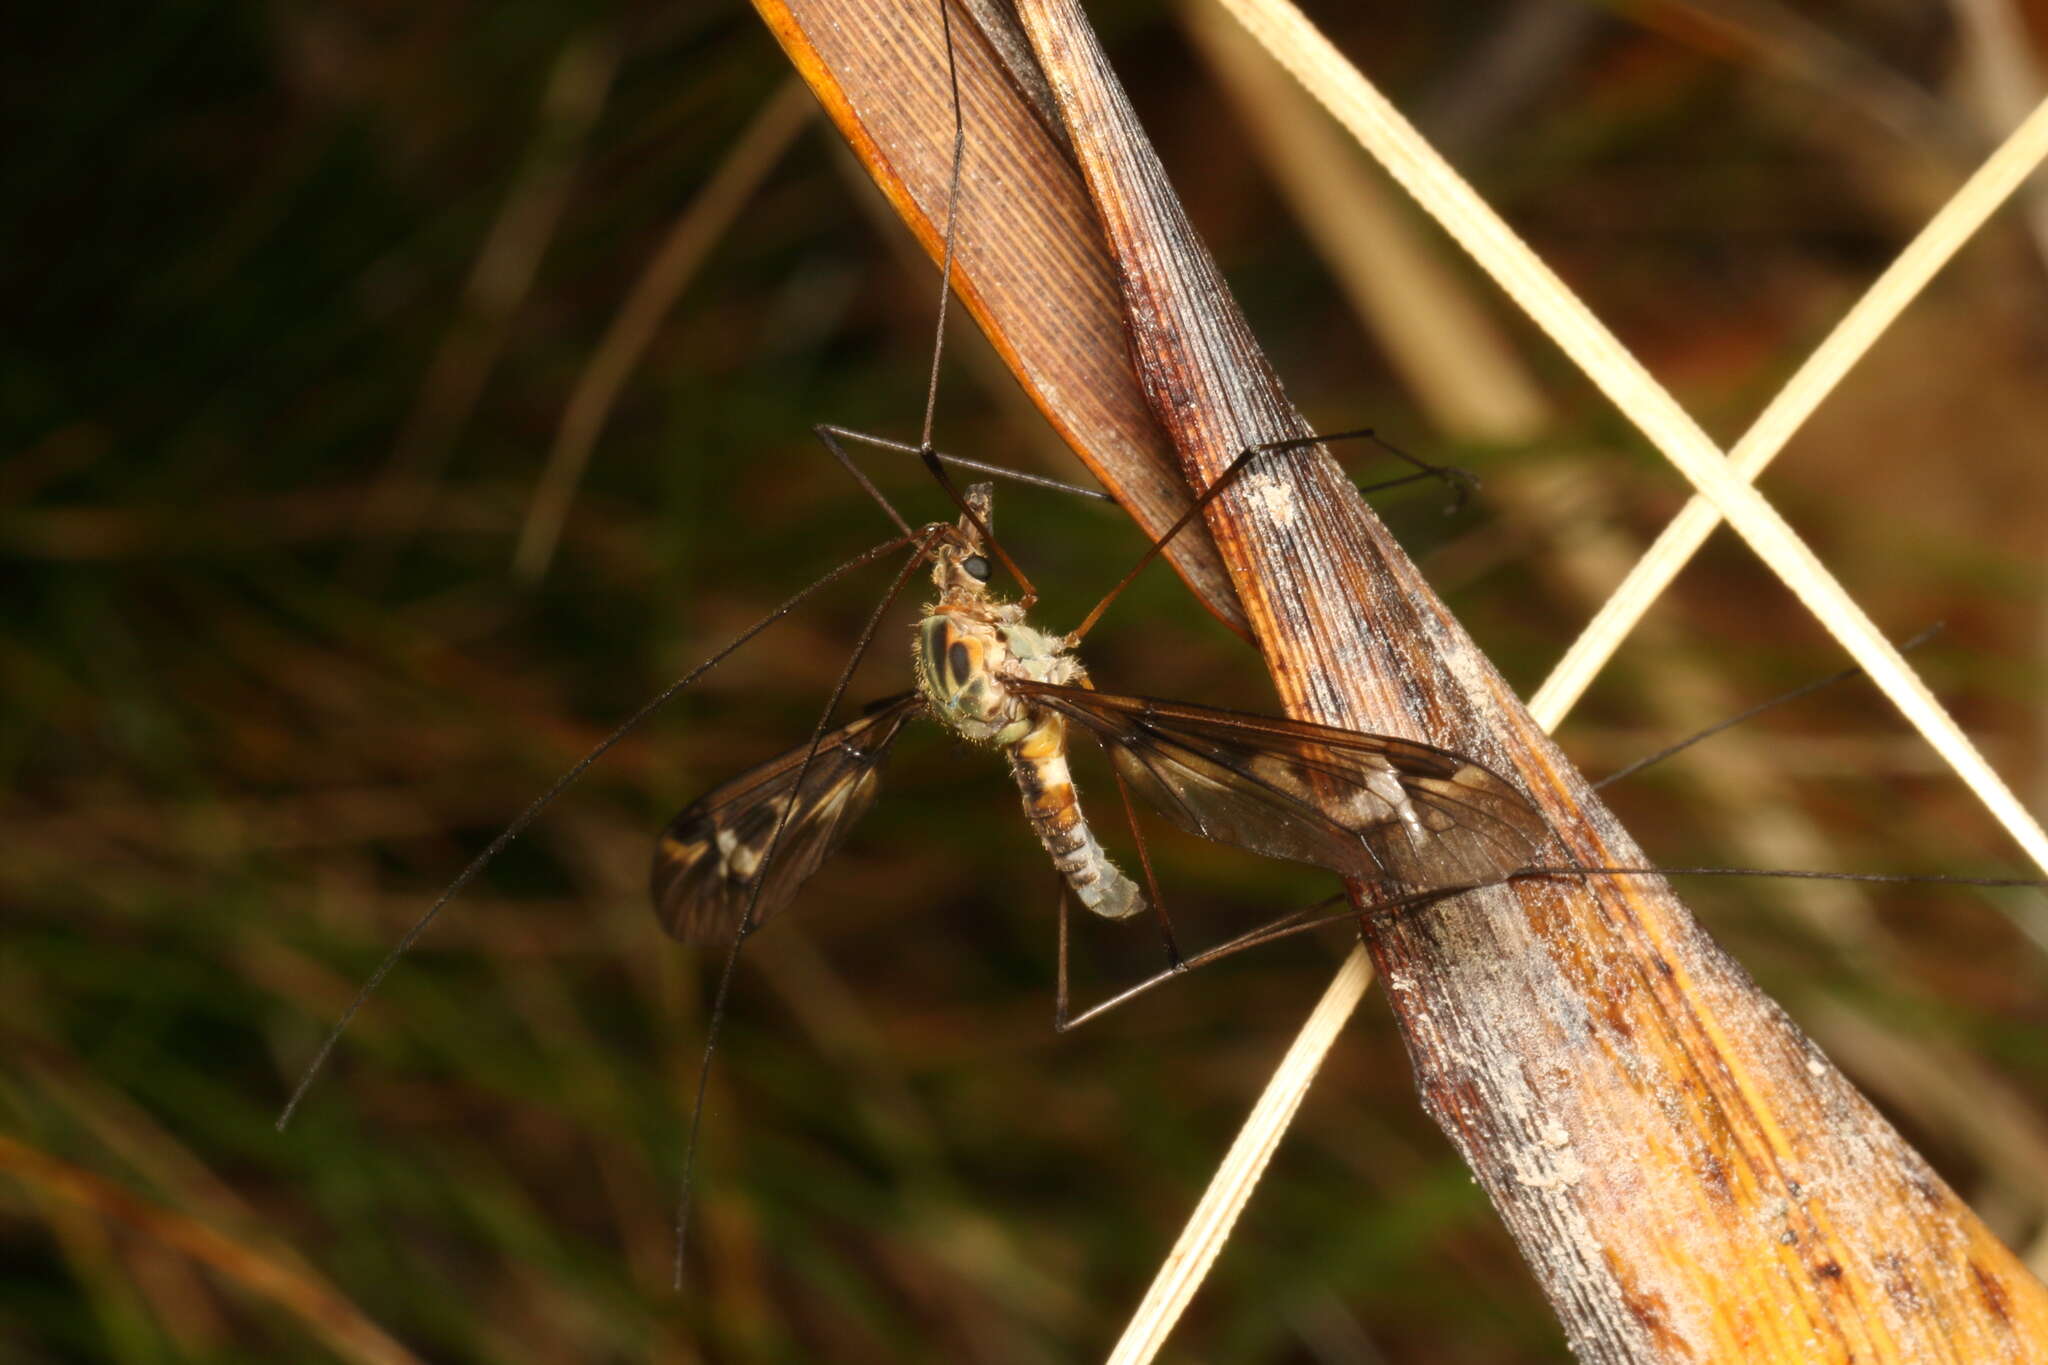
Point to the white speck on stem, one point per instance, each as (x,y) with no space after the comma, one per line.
(1276,499)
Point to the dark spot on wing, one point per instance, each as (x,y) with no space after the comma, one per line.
(960,662)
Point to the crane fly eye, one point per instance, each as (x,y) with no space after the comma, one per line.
(976,568)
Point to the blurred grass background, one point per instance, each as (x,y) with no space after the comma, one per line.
(298,298)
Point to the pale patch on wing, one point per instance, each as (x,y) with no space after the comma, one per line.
(706,860)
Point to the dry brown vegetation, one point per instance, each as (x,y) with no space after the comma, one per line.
(309,300)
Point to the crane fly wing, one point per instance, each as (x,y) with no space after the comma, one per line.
(1366,806)
(706,860)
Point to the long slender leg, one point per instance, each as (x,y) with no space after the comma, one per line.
(1059,989)
(1294,922)
(747,923)
(927,450)
(828,435)
(1457,478)
(1461,482)
(1286,926)
(936,462)
(826,430)
(953,198)
(532,813)
(1792,695)
(1145,863)
(1307,919)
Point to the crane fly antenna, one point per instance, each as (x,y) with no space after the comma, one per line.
(746,924)
(526,818)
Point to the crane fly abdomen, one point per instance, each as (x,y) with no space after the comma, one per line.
(1039,764)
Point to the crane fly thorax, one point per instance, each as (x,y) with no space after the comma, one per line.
(965,654)
(959,658)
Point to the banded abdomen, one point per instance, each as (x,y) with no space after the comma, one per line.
(1039,763)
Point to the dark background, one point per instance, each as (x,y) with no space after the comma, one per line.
(295,298)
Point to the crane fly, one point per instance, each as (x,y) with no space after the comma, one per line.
(1415,822)
(1375,808)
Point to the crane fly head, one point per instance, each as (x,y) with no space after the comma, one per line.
(960,563)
